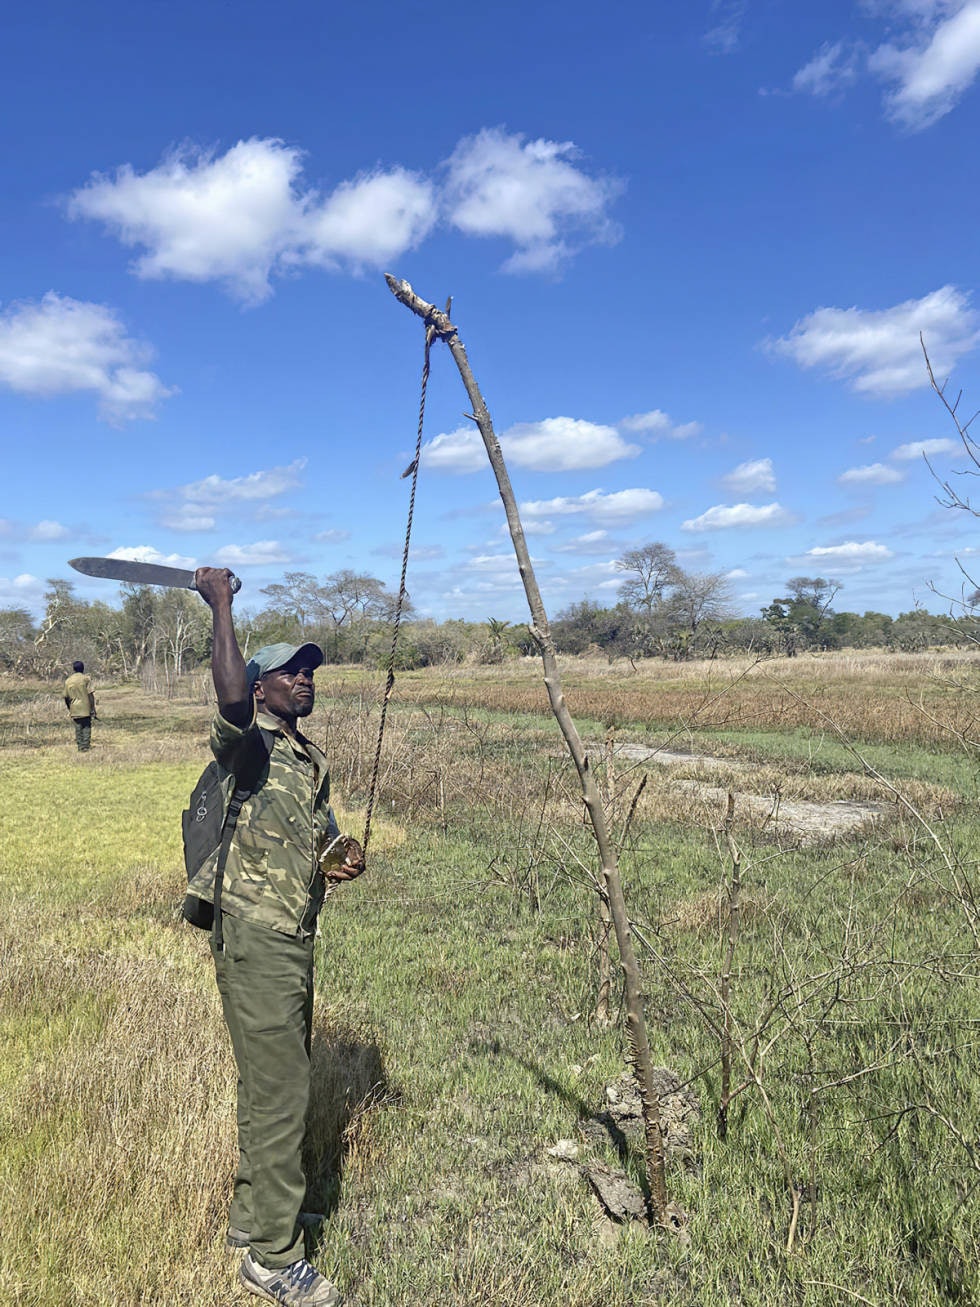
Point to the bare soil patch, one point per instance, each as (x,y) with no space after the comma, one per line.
(797,821)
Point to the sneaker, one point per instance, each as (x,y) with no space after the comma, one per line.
(298,1285)
(235,1238)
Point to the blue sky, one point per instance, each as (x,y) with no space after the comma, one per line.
(690,248)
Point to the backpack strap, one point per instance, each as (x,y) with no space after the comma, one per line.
(227,831)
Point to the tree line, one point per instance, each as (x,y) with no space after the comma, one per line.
(661,610)
(667,612)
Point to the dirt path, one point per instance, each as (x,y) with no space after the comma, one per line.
(799,821)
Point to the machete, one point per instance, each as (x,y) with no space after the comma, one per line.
(127,569)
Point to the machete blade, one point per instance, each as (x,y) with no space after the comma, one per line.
(127,569)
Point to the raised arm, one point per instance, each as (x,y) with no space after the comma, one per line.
(227,664)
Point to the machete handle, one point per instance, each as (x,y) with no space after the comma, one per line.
(234,583)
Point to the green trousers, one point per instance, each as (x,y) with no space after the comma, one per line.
(266,984)
(83,733)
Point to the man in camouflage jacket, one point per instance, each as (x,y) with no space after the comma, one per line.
(285,847)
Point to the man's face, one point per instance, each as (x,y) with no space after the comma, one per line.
(288,691)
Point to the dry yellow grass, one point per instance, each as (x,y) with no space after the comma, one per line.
(884,697)
(117,1105)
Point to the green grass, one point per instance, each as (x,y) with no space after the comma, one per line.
(455,1035)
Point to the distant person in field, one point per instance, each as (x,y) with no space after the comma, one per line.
(80,702)
(285,848)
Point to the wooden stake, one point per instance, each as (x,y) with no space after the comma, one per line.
(440,325)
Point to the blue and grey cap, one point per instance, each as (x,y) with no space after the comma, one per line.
(273,656)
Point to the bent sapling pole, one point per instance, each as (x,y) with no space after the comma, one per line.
(440,326)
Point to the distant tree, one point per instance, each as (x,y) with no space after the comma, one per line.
(107,628)
(353,604)
(16,636)
(297,600)
(61,636)
(136,627)
(813,591)
(803,617)
(181,630)
(700,597)
(433,644)
(493,649)
(348,595)
(585,624)
(650,572)
(869,630)
(342,612)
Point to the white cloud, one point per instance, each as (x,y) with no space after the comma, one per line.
(61,346)
(930,74)
(736,574)
(461,450)
(754,478)
(722,516)
(215,491)
(605,575)
(879,350)
(618,506)
(368,221)
(723,36)
(23,591)
(656,423)
(832,67)
(149,554)
(188,520)
(686,430)
(238,217)
(267,512)
(592,542)
(202,218)
(916,448)
(532,527)
(197,505)
(49,531)
(424,553)
(874,474)
(533,192)
(332,536)
(261,553)
(919,12)
(245,216)
(477,593)
(493,563)
(852,552)
(563,445)
(553,445)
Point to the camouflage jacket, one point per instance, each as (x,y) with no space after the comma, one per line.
(272,875)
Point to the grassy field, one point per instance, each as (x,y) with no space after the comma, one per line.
(464,1084)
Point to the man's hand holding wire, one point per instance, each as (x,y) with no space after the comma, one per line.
(344,860)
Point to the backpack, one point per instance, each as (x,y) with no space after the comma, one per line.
(208,824)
